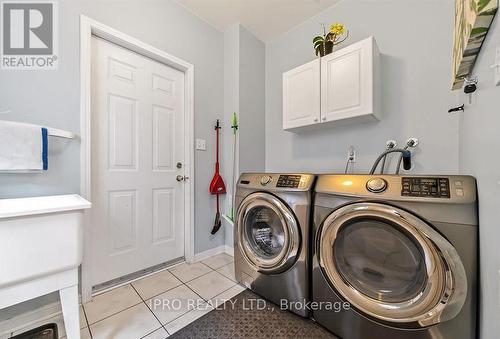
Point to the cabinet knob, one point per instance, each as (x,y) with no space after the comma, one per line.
(315,119)
(324,119)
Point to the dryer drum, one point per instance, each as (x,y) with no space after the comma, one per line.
(391,265)
(379,260)
(268,234)
(267,239)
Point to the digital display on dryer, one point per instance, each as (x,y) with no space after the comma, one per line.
(288,181)
(425,187)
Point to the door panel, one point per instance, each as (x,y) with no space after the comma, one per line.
(122,221)
(163,215)
(301,95)
(344,82)
(122,132)
(163,84)
(163,138)
(347,82)
(137,137)
(122,71)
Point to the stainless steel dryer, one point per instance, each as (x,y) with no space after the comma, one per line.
(272,235)
(401,250)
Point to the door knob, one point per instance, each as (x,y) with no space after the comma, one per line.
(179,178)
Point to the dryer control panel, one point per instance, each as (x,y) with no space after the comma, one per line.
(277,181)
(425,187)
(288,181)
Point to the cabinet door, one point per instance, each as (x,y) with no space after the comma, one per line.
(301,95)
(347,82)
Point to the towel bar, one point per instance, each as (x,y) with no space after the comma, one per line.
(59,133)
(54,132)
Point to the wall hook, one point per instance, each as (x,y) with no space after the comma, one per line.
(470,85)
(456,109)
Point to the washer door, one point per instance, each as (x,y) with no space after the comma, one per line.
(268,233)
(391,265)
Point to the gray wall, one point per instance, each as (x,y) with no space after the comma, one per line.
(252,103)
(415,39)
(52,97)
(479,156)
(231,104)
(244,79)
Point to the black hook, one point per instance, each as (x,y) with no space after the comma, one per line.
(456,109)
(217,125)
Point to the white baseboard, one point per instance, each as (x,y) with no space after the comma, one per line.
(209,253)
(213,251)
(229,250)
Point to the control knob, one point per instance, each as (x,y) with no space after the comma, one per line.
(266,179)
(376,185)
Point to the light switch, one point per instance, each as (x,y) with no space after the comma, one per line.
(201,144)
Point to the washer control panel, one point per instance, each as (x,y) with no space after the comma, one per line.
(425,187)
(288,181)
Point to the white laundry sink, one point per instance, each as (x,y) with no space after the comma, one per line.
(39,236)
(41,240)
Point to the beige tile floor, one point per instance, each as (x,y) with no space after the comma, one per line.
(160,304)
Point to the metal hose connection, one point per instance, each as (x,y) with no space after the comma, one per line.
(405,156)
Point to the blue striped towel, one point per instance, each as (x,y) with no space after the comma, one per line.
(23,147)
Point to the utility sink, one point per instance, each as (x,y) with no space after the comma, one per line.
(41,241)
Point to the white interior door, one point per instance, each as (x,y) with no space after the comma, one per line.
(137,142)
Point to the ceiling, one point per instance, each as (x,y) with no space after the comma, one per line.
(266,19)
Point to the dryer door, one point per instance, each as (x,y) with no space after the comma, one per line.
(268,234)
(391,266)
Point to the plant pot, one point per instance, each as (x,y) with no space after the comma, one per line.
(326,48)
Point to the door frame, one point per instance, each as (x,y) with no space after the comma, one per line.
(88,28)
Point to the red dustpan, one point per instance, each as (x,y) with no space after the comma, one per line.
(217,185)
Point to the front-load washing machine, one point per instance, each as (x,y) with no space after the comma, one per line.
(272,236)
(400,252)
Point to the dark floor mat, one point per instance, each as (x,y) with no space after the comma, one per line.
(241,321)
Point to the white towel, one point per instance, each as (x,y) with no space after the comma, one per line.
(23,147)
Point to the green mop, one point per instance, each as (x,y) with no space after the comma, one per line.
(230,216)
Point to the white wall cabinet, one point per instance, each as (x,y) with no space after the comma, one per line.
(342,86)
(301,95)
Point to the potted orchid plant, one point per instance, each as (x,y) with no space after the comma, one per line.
(323,44)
